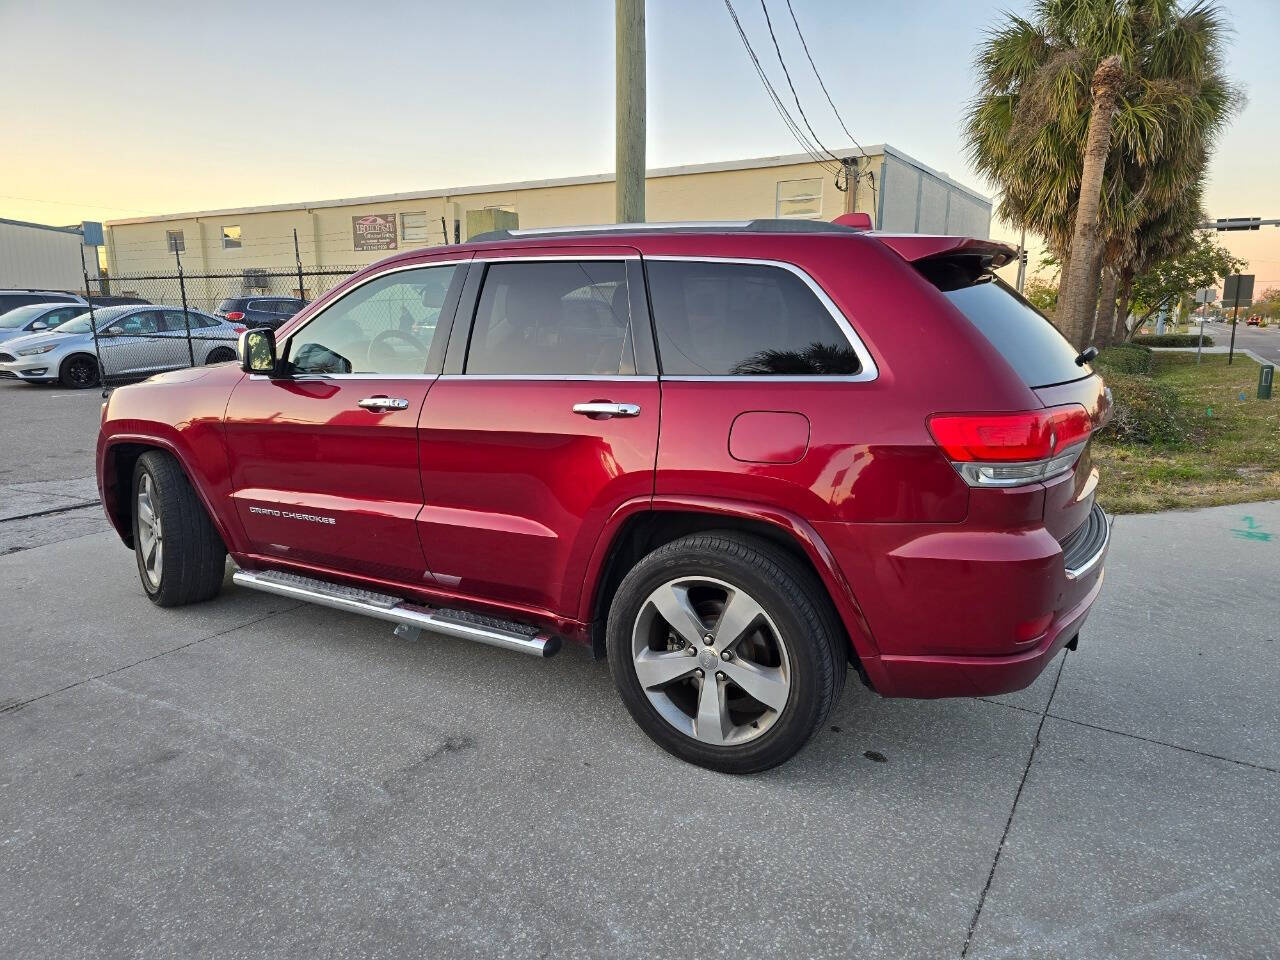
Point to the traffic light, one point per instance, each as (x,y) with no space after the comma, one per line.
(1237,223)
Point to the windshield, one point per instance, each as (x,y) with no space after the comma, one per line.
(80,324)
(21,316)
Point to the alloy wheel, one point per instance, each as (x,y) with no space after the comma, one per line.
(150,533)
(711,661)
(82,373)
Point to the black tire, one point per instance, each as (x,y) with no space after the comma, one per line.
(790,596)
(220,355)
(193,559)
(79,371)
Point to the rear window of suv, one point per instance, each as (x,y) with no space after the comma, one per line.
(1029,342)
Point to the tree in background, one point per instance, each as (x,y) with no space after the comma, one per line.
(1042,294)
(1267,305)
(1028,130)
(1204,263)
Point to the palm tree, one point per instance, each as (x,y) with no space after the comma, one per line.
(1029,129)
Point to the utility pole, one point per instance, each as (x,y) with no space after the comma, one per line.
(630,121)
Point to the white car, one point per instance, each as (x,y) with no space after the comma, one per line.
(133,342)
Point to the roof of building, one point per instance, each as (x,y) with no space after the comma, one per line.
(42,226)
(748,164)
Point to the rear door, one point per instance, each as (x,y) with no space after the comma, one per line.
(324,462)
(545,422)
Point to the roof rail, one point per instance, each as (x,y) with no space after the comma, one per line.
(677,226)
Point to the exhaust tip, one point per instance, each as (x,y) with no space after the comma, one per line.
(552,645)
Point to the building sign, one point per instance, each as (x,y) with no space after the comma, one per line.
(374,231)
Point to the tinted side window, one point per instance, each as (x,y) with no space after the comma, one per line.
(385,326)
(736,319)
(567,318)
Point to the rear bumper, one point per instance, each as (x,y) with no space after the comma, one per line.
(928,677)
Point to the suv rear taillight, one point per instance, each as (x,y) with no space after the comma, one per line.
(1012,449)
(234,315)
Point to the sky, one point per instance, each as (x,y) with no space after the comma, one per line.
(153,107)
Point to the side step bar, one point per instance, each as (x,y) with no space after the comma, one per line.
(461,624)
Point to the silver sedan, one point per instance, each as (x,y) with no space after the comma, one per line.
(133,342)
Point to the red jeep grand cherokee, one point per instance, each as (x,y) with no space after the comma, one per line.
(735,458)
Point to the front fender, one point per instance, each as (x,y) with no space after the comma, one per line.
(191,432)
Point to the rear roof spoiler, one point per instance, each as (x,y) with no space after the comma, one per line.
(914,247)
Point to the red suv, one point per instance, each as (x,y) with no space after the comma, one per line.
(736,459)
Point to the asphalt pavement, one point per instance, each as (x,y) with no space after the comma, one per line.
(255,778)
(1264,342)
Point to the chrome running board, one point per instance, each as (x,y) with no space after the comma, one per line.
(461,624)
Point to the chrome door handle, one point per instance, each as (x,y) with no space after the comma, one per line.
(602,409)
(384,403)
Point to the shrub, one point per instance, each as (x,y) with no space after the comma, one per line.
(1124,358)
(1170,340)
(1149,412)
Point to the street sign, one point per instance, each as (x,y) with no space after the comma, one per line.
(1237,223)
(1206,295)
(92,231)
(1238,290)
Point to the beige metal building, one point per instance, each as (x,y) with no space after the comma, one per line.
(38,255)
(900,193)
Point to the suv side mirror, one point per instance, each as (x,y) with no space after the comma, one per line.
(257,350)
(39,325)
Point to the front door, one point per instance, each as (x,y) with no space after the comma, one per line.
(547,427)
(324,461)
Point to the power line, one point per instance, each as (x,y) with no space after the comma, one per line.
(778,105)
(787,73)
(804,44)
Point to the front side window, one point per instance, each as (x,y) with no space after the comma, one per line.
(231,238)
(743,319)
(565,318)
(175,241)
(798,199)
(413,227)
(385,326)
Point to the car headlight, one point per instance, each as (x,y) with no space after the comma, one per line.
(35,350)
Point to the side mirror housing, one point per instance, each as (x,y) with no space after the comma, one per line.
(114,331)
(39,325)
(257,351)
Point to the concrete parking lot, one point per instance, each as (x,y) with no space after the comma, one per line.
(251,777)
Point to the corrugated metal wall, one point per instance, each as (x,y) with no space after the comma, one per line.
(33,256)
(915,200)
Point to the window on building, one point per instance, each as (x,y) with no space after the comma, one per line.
(743,319)
(562,318)
(413,227)
(231,238)
(385,326)
(798,199)
(175,241)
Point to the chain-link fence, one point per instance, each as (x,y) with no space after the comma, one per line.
(146,323)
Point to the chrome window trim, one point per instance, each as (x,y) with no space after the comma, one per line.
(588,377)
(349,376)
(870,371)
